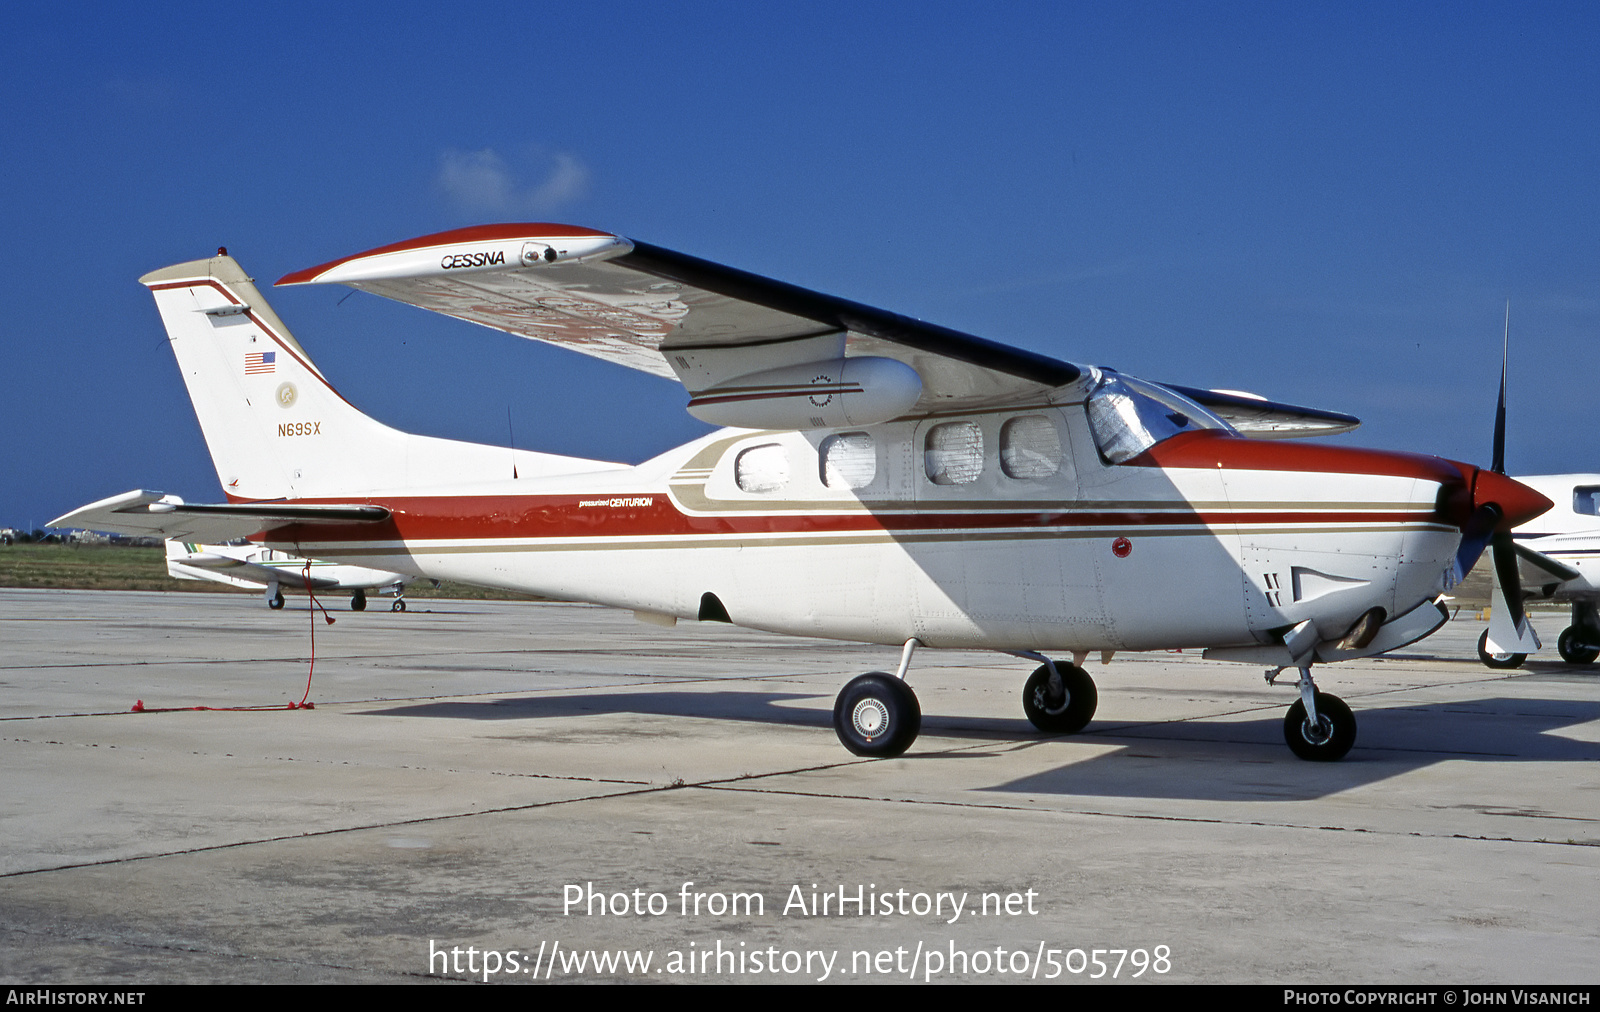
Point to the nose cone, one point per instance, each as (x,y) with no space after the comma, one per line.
(1517,502)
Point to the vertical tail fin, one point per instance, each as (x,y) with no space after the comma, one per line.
(275,426)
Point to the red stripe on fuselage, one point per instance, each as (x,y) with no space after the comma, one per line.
(1211,449)
(416,519)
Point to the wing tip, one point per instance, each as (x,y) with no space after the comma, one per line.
(472,233)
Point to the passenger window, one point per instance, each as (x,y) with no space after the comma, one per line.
(1586,500)
(849,460)
(953,453)
(1030,447)
(763,468)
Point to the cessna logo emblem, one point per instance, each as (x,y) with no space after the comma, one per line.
(473,260)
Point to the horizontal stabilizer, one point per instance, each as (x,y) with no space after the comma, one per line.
(155,514)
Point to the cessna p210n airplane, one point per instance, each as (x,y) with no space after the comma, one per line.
(881,480)
(254,567)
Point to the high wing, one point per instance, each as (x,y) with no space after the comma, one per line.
(751,351)
(155,514)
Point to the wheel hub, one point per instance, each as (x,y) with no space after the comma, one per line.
(1041,700)
(870,717)
(1319,733)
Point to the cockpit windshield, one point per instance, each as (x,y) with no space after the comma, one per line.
(1128,416)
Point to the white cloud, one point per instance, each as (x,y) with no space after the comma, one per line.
(483,181)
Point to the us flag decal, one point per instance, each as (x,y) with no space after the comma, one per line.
(259,362)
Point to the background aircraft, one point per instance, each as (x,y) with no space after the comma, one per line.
(1557,559)
(881,480)
(255,567)
(1562,568)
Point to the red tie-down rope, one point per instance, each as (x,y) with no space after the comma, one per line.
(139,707)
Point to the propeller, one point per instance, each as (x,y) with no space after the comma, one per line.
(1509,631)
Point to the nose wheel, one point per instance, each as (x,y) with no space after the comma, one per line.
(1318,727)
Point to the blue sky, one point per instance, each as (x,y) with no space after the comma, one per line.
(1322,203)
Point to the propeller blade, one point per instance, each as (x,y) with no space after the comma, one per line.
(1498,465)
(1509,629)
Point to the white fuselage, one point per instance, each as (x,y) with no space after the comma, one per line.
(1206,540)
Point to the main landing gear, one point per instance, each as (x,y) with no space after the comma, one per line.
(1059,698)
(877,714)
(1319,727)
(1580,641)
(358,601)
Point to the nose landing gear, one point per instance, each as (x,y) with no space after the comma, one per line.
(1319,727)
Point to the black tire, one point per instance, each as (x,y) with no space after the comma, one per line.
(1574,650)
(877,715)
(358,601)
(1333,736)
(399,605)
(1500,662)
(275,602)
(1071,714)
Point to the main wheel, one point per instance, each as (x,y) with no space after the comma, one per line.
(1067,715)
(1574,650)
(399,605)
(1501,661)
(1329,738)
(358,601)
(877,715)
(275,601)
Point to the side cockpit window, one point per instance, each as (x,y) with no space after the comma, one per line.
(1128,416)
(1586,500)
